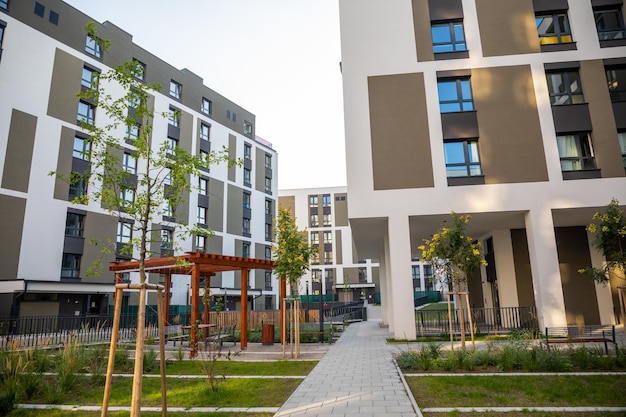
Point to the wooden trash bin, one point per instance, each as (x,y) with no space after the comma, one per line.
(267,333)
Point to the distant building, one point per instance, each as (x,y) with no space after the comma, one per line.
(512,111)
(45,249)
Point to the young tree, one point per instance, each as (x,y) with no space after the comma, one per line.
(131,176)
(453,257)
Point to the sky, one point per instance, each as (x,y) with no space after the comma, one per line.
(278,59)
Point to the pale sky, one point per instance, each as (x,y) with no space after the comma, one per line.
(278,59)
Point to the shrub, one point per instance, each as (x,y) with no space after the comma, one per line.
(150,361)
(407,361)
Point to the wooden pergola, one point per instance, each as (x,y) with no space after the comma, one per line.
(199,264)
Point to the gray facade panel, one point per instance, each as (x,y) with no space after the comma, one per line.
(19,152)
(64,163)
(232,154)
(102,229)
(12,211)
(65,84)
(235,210)
(216,207)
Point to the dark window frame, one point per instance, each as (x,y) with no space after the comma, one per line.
(88,118)
(467,163)
(70,265)
(560,34)
(585,154)
(620,30)
(464,104)
(567,82)
(93,46)
(176,90)
(618,92)
(453,43)
(74,224)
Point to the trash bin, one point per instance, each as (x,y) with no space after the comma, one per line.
(267,333)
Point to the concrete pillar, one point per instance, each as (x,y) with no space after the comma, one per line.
(398,256)
(505,268)
(385,302)
(544,264)
(603,291)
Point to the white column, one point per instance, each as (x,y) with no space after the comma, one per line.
(398,254)
(505,268)
(384,282)
(603,291)
(544,265)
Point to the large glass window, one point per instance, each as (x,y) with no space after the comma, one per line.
(176,89)
(78,188)
(312,201)
(622,144)
(82,148)
(167,239)
(203,186)
(86,113)
(93,46)
(205,107)
(327,219)
(74,224)
(269,232)
(462,158)
(609,23)
(448,37)
(124,232)
(314,220)
(553,28)
(247,151)
(4,4)
(246,200)
(201,215)
(173,117)
(455,95)
(328,237)
(245,249)
(246,177)
(565,88)
(269,207)
(326,200)
(246,226)
(70,265)
(315,238)
(129,163)
(200,243)
(616,80)
(127,196)
(204,131)
(268,185)
(132,133)
(170,145)
(576,152)
(89,78)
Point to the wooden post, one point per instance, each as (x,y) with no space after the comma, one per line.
(471,320)
(161,321)
(168,285)
(450,321)
(135,406)
(195,316)
(297,325)
(621,295)
(114,337)
(243,330)
(282,293)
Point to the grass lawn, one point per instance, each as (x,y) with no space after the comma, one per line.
(519,391)
(278,368)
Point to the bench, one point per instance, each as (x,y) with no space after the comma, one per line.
(581,334)
(224,334)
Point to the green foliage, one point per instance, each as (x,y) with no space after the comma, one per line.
(609,228)
(452,254)
(291,250)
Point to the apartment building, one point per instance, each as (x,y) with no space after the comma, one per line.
(47,245)
(511,111)
(336,271)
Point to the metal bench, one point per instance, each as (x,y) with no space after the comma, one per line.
(224,334)
(581,334)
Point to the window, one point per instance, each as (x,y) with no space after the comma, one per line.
(173,117)
(462,158)
(74,224)
(564,88)
(328,237)
(247,128)
(247,151)
(326,200)
(314,220)
(415,274)
(268,161)
(328,257)
(40,9)
(82,148)
(315,238)
(622,144)
(269,208)
(4,4)
(200,243)
(89,78)
(127,196)
(129,163)
(70,265)
(268,287)
(203,186)
(202,215)
(206,105)
(204,131)
(246,226)
(167,239)
(176,89)
(448,37)
(246,200)
(329,278)
(124,232)
(2,26)
(134,98)
(78,188)
(86,113)
(53,17)
(132,132)
(455,95)
(316,258)
(204,156)
(362,275)
(170,146)
(312,201)
(246,177)
(553,28)
(268,232)
(576,152)
(268,185)
(268,252)
(93,46)
(167,209)
(139,70)
(167,179)
(245,249)
(327,220)
(609,23)
(616,80)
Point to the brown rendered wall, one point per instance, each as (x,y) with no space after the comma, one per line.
(234,220)
(289,203)
(523,273)
(12,210)
(507,27)
(65,84)
(341,210)
(19,151)
(401,155)
(338,246)
(510,140)
(421,28)
(232,154)
(216,208)
(581,305)
(64,163)
(604,135)
(100,228)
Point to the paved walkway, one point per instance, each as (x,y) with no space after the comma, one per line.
(355,378)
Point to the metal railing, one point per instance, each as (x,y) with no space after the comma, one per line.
(485,320)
